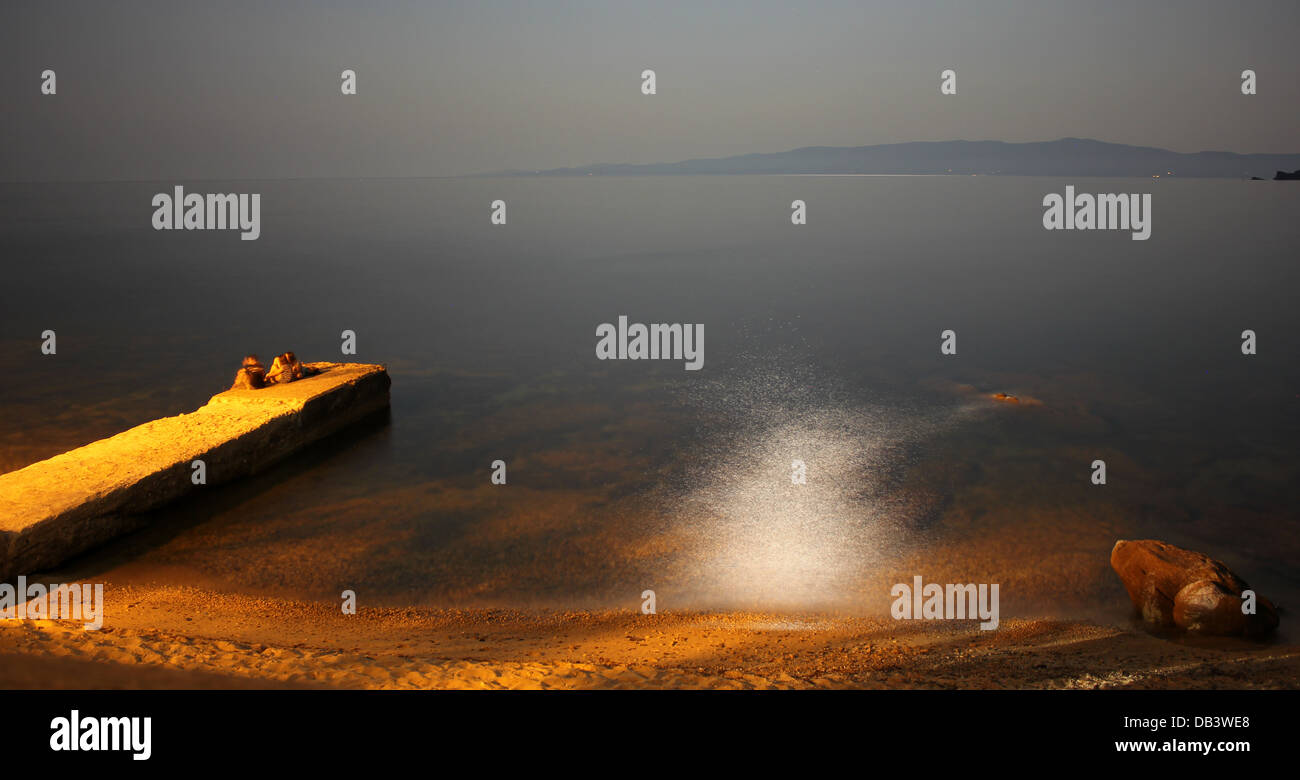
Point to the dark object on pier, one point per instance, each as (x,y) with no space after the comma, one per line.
(251,376)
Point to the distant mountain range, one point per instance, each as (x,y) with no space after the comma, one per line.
(1066,157)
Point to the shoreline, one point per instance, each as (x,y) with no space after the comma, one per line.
(185,637)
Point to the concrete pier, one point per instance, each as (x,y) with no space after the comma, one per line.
(57,508)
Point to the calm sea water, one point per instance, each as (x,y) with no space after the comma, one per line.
(821,344)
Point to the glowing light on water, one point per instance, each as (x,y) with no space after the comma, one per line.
(763,541)
(772,542)
(751,538)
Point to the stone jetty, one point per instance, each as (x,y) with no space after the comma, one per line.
(57,508)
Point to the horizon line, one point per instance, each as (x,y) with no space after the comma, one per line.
(525,172)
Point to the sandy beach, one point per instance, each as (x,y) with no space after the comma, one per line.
(168,637)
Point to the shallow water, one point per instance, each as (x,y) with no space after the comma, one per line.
(821,344)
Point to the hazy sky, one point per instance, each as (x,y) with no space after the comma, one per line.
(185,90)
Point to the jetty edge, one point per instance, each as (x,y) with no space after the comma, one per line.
(67,504)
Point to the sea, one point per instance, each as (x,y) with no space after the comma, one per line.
(821,357)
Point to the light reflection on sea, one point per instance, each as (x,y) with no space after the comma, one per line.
(822,346)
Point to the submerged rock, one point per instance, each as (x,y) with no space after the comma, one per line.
(1175,588)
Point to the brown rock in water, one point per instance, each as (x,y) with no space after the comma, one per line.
(1176,588)
(1206,607)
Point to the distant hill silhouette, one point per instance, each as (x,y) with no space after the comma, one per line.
(1066,157)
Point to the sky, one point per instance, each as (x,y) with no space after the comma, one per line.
(246,90)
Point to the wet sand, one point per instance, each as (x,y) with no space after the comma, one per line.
(169,637)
